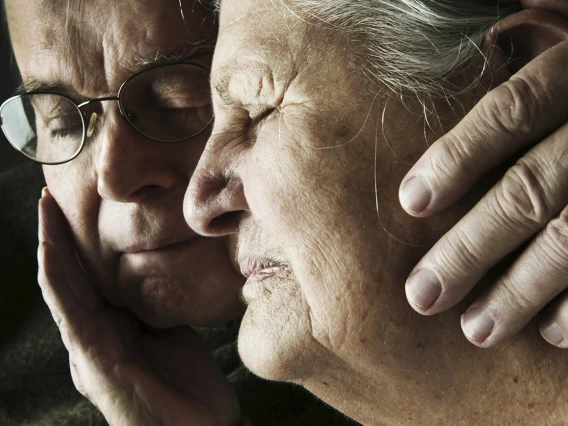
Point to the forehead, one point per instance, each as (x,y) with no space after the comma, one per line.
(256,32)
(274,35)
(93,45)
(257,19)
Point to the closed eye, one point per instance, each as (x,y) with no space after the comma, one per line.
(66,132)
(257,117)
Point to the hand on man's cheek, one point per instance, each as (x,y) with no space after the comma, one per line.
(138,247)
(123,194)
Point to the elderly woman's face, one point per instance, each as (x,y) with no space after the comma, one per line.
(298,145)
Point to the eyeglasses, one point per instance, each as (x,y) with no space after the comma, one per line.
(167,104)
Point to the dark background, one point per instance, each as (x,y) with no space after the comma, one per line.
(9,157)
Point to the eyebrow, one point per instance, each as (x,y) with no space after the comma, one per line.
(140,63)
(221,86)
(222,76)
(33,85)
(170,56)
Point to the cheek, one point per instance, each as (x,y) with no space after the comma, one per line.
(74,189)
(294,186)
(319,206)
(273,181)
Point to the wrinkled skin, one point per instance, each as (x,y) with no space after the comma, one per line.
(134,375)
(310,181)
(112,216)
(530,201)
(123,194)
(146,372)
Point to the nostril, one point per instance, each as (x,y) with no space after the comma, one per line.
(146,191)
(225,223)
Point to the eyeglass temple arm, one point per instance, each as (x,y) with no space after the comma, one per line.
(110,98)
(94,115)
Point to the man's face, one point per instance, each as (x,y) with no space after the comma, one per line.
(123,194)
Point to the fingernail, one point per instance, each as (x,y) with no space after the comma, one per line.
(553,333)
(477,324)
(415,195)
(423,289)
(44,191)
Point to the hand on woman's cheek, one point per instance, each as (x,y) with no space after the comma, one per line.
(528,204)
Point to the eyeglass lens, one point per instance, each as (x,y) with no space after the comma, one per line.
(166,104)
(45,127)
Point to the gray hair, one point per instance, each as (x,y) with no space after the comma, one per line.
(409,46)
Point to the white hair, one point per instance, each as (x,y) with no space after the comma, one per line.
(409,46)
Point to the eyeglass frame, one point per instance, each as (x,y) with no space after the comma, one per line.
(104,99)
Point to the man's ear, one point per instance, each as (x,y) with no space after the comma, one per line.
(519,38)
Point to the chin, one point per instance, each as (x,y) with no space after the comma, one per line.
(165,304)
(275,342)
(162,317)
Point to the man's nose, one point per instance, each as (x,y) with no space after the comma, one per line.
(215,199)
(129,167)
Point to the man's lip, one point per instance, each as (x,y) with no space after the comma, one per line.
(259,268)
(156,245)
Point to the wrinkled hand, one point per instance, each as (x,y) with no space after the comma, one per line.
(134,377)
(530,201)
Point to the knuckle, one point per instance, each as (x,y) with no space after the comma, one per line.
(452,160)
(557,236)
(458,258)
(521,198)
(515,300)
(512,107)
(65,337)
(561,311)
(77,380)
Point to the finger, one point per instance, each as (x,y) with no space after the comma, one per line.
(64,287)
(76,377)
(62,303)
(554,327)
(523,110)
(60,259)
(538,275)
(521,204)
(45,279)
(95,339)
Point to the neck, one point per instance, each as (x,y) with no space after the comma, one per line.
(401,368)
(427,373)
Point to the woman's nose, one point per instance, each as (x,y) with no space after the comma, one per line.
(215,199)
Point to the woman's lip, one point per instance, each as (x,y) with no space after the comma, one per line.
(259,268)
(261,274)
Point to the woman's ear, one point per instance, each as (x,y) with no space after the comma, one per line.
(521,37)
